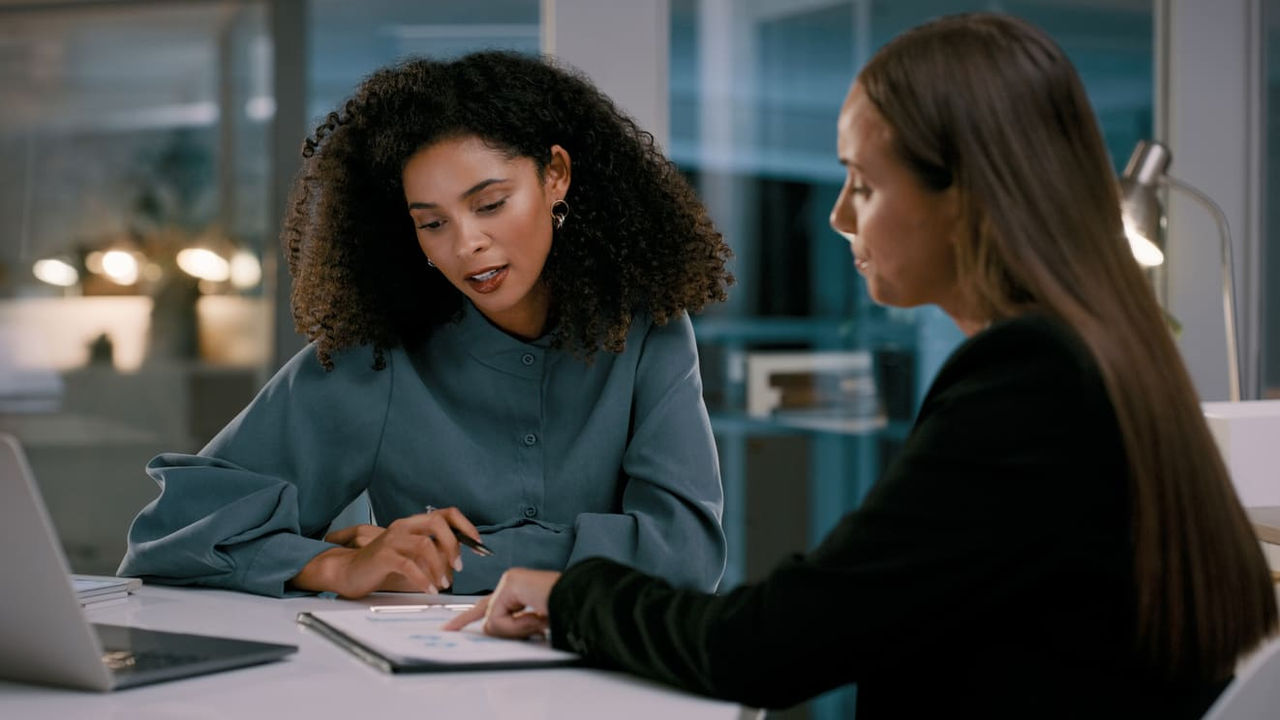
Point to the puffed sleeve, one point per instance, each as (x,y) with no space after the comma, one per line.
(247,512)
(669,524)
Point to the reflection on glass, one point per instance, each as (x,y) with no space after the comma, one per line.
(130,132)
(348,40)
(129,145)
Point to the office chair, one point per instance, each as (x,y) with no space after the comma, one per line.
(1255,692)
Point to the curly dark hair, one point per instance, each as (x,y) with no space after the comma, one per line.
(637,240)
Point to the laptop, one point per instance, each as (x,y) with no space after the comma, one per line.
(45,637)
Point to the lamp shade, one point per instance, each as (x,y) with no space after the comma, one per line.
(1144,220)
(1139,204)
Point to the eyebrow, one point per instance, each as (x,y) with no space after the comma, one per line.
(466,194)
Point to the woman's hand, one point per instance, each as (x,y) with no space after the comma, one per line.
(418,553)
(516,609)
(356,536)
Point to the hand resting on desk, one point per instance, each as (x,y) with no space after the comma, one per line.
(418,553)
(355,536)
(358,536)
(516,609)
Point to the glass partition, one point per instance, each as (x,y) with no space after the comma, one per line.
(1270,290)
(132,312)
(134,221)
(348,40)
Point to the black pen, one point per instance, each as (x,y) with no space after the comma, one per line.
(476,546)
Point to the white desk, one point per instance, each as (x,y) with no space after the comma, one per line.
(324,681)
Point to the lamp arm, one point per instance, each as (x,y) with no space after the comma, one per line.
(1228,280)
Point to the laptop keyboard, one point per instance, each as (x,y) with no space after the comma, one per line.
(144,660)
(137,656)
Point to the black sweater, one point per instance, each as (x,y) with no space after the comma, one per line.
(988,573)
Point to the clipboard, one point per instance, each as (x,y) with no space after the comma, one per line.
(412,642)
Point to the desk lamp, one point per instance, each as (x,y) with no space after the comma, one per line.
(1144,221)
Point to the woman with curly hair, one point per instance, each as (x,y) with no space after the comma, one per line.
(494,267)
(1058,536)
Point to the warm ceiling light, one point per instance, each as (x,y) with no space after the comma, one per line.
(55,272)
(93,262)
(246,270)
(204,264)
(120,267)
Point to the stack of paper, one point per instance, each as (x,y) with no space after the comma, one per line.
(400,639)
(99,590)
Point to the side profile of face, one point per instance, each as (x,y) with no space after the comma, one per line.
(484,219)
(901,232)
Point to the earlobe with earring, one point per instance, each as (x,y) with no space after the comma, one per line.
(430,264)
(559,211)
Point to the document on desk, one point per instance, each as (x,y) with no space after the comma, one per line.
(100,590)
(406,642)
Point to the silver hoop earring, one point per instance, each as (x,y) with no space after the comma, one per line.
(430,264)
(559,211)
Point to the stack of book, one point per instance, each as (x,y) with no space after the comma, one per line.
(819,383)
(101,590)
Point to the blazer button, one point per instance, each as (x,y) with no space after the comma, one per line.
(530,440)
(530,511)
(528,359)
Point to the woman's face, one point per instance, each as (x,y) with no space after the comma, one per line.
(484,220)
(902,233)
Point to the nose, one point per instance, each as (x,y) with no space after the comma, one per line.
(843,218)
(472,239)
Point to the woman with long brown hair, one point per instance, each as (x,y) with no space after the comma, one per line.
(1059,536)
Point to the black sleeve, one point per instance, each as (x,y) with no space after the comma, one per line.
(986,490)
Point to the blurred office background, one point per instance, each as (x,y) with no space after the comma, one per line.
(146,148)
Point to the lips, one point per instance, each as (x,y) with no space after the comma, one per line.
(486,280)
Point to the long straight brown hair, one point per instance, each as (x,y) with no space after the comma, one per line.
(992,105)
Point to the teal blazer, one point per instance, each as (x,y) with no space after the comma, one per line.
(554,460)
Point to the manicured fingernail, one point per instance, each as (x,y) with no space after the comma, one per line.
(457,564)
(431,590)
(444,581)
